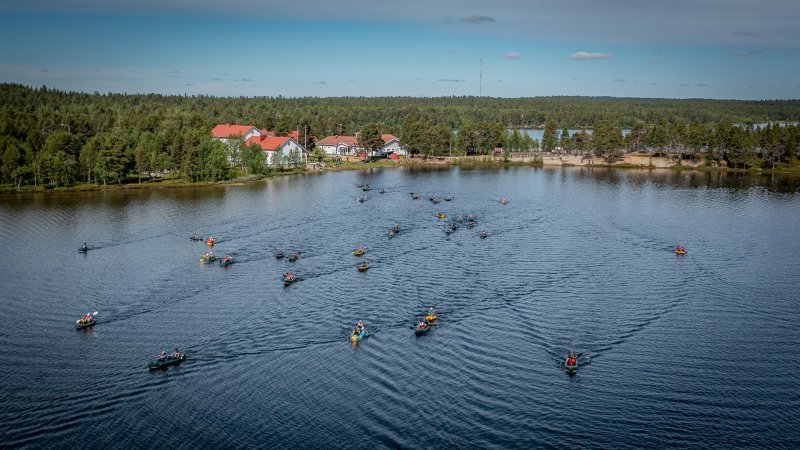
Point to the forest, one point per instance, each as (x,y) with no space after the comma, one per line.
(53,138)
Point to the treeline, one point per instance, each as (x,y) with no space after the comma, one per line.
(59,138)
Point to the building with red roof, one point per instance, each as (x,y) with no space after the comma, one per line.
(348,146)
(291,153)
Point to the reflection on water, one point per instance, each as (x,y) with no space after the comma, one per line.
(580,258)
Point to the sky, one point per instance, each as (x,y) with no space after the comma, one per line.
(720,49)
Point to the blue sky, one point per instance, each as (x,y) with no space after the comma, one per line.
(624,48)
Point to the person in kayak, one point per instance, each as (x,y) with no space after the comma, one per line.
(571,358)
(85,247)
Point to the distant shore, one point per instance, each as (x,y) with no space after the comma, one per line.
(627,161)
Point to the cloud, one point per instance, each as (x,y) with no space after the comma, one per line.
(45,70)
(701,85)
(580,56)
(476,20)
(620,80)
(216,79)
(743,33)
(451,80)
(512,55)
(246,79)
(653,84)
(175,71)
(684,85)
(656,61)
(453,52)
(747,53)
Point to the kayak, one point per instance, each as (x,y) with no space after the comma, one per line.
(210,242)
(571,370)
(196,238)
(83,250)
(208,258)
(358,252)
(680,251)
(430,318)
(484,235)
(441,215)
(362,267)
(359,336)
(289,280)
(81,326)
(279,254)
(156,364)
(293,257)
(396,228)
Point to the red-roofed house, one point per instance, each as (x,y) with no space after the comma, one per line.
(233,135)
(227,131)
(348,146)
(291,153)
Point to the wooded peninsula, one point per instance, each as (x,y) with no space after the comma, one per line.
(51,138)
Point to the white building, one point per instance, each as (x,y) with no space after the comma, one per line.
(291,153)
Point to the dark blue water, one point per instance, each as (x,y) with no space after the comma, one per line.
(695,350)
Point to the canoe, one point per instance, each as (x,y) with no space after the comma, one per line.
(81,326)
(156,364)
(226,261)
(358,252)
(359,336)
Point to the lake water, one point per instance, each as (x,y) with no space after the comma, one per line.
(692,351)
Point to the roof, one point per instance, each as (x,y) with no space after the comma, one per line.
(227,130)
(388,138)
(351,141)
(270,143)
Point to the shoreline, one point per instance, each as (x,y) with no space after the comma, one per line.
(627,161)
